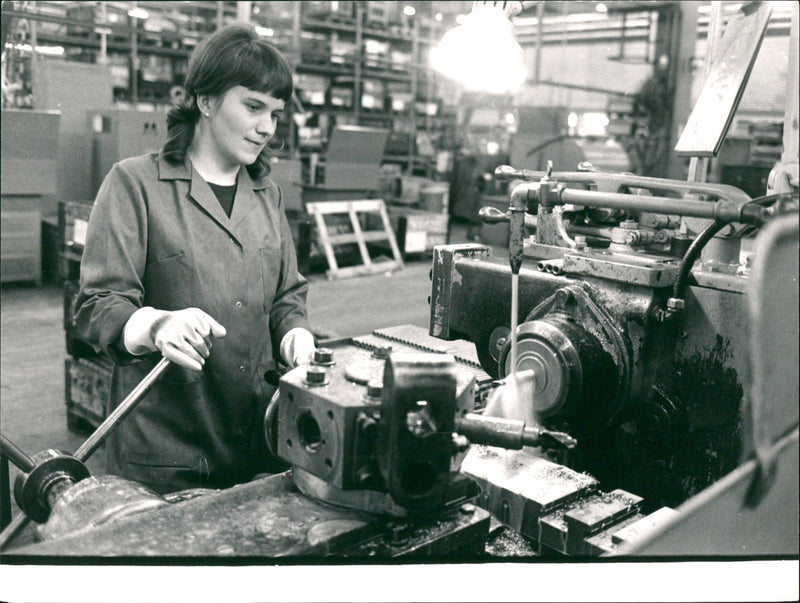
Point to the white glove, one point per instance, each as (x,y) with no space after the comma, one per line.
(297,347)
(183,337)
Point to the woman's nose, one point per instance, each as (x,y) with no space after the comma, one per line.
(266,126)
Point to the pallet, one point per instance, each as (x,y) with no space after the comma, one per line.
(359,236)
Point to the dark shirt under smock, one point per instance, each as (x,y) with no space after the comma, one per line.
(158,237)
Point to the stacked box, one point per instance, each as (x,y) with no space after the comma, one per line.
(418,231)
(87,373)
(86,390)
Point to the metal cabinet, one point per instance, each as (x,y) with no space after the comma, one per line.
(120,134)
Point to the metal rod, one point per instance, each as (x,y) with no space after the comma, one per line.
(727,211)
(134,61)
(16,455)
(505,173)
(121,411)
(514,321)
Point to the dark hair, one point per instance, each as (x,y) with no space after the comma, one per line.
(234,55)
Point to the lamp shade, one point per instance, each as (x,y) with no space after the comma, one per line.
(481,53)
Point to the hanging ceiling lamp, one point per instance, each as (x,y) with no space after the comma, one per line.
(481,53)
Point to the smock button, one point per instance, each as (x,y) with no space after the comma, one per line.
(242,368)
(238,304)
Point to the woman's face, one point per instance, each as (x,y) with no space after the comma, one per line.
(241,123)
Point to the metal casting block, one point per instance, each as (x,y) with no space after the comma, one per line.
(638,269)
(519,486)
(638,529)
(603,542)
(328,422)
(567,529)
(444,275)
(588,519)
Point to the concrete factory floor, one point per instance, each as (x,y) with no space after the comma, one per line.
(32,344)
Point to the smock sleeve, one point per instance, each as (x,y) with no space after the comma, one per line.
(113,263)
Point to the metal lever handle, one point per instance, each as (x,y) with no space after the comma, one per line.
(15,454)
(26,464)
(120,412)
(492,215)
(506,173)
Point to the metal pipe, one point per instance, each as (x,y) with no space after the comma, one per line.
(134,68)
(726,211)
(506,173)
(16,455)
(121,411)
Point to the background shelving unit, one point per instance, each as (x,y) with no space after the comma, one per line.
(356,63)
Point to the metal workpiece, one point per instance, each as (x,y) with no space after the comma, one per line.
(334,432)
(629,267)
(510,433)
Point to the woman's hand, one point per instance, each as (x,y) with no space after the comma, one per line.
(297,347)
(183,336)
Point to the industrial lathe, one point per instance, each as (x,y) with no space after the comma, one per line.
(624,382)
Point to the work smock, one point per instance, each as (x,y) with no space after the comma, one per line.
(158,236)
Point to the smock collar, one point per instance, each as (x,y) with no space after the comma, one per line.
(200,192)
(183,171)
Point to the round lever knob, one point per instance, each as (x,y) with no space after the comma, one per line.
(492,215)
(506,173)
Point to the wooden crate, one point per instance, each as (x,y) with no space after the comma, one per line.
(87,387)
(355,215)
(419,231)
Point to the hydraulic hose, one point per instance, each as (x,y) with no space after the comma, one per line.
(691,255)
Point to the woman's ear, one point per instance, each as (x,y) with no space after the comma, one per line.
(204,104)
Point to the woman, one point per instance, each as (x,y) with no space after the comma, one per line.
(187,250)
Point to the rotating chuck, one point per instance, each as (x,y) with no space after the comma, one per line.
(42,479)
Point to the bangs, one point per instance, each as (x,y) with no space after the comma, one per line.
(258,66)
